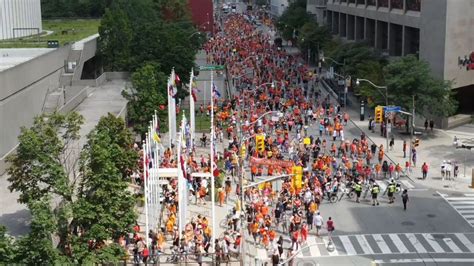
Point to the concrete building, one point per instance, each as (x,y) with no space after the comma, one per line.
(277,7)
(38,80)
(438,31)
(19,18)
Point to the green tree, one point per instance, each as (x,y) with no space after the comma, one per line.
(104,209)
(45,162)
(293,18)
(173,10)
(115,40)
(313,37)
(37,247)
(148,92)
(407,77)
(7,247)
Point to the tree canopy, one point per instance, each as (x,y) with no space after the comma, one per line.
(293,18)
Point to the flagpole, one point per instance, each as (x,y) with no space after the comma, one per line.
(173,107)
(145,170)
(213,203)
(191,109)
(170,110)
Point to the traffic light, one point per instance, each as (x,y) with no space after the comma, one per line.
(298,176)
(416,143)
(378,114)
(260,142)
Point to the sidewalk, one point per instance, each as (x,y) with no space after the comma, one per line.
(434,147)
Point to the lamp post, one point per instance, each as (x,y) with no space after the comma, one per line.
(386,103)
(348,77)
(197,32)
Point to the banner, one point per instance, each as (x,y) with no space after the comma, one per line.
(263,161)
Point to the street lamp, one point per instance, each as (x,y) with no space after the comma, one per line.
(197,32)
(345,87)
(386,103)
(334,61)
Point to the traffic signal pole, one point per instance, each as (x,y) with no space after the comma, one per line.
(412,129)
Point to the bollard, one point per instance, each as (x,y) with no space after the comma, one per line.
(330,246)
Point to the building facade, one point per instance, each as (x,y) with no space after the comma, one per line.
(440,32)
(19,18)
(202,14)
(277,7)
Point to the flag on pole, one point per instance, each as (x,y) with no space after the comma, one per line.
(172,91)
(177,79)
(156,137)
(215,91)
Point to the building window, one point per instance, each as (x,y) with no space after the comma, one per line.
(361,2)
(352,1)
(383,3)
(414,5)
(371,2)
(343,1)
(398,4)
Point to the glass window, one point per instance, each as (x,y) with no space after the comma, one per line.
(343,1)
(371,2)
(414,5)
(383,3)
(398,4)
(361,2)
(352,1)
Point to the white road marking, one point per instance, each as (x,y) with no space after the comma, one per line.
(469,195)
(459,204)
(381,243)
(364,244)
(465,241)
(452,245)
(398,243)
(459,198)
(313,246)
(407,184)
(429,238)
(346,242)
(416,243)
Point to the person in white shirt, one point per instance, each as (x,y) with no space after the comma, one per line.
(318,222)
(447,168)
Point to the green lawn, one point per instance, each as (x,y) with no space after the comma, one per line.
(64,30)
(203,122)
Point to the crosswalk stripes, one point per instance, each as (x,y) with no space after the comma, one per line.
(350,245)
(464,205)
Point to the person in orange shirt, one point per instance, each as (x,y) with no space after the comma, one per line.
(221,196)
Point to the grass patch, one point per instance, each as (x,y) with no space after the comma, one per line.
(64,30)
(203,122)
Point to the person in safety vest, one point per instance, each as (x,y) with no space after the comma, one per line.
(375,192)
(391,189)
(358,190)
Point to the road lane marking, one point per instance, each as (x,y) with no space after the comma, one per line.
(346,242)
(381,243)
(416,243)
(364,244)
(333,253)
(398,243)
(452,245)
(313,246)
(436,247)
(465,241)
(407,184)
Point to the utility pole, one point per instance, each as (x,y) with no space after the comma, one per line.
(412,128)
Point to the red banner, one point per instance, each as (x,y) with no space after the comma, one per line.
(262,161)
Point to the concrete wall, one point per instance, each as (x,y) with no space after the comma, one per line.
(459,41)
(433,34)
(19,14)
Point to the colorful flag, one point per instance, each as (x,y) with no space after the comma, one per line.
(194,93)
(177,79)
(156,137)
(216,92)
(172,91)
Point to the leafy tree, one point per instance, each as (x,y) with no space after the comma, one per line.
(314,37)
(37,247)
(408,76)
(115,40)
(294,17)
(148,92)
(173,10)
(124,156)
(45,161)
(7,246)
(104,209)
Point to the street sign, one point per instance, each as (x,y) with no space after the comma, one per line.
(392,108)
(211,68)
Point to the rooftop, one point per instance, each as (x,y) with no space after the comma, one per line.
(13,57)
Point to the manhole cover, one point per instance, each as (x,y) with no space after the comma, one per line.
(431,215)
(446,186)
(306,263)
(440,236)
(408,223)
